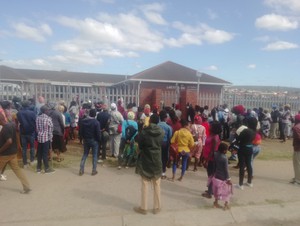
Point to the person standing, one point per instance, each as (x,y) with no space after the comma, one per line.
(285,118)
(58,130)
(73,111)
(296,155)
(8,152)
(166,141)
(149,165)
(199,135)
(222,186)
(90,130)
(129,132)
(212,143)
(116,120)
(103,118)
(275,114)
(44,129)
(245,155)
(27,122)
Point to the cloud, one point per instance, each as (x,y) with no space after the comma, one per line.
(251,66)
(33,63)
(152,13)
(280,45)
(198,34)
(274,22)
(91,39)
(32,33)
(291,5)
(212,68)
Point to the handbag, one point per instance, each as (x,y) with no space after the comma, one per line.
(119,130)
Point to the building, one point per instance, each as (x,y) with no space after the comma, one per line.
(165,84)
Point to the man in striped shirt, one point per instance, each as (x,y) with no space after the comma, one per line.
(44,127)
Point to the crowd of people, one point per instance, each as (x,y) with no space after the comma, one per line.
(149,138)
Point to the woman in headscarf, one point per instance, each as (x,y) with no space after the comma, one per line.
(116,120)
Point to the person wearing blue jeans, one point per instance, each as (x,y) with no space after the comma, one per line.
(185,142)
(27,125)
(90,130)
(87,145)
(27,139)
(184,156)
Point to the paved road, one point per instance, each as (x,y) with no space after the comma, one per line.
(64,198)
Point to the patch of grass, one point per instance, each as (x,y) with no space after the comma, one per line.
(274,201)
(275,150)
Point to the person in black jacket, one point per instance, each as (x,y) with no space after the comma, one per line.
(245,137)
(103,118)
(90,130)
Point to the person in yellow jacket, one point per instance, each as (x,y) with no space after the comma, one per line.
(185,142)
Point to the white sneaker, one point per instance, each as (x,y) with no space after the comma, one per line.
(33,162)
(249,185)
(3,177)
(100,161)
(241,187)
(119,167)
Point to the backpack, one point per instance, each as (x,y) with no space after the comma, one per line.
(130,131)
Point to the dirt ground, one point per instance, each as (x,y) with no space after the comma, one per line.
(64,198)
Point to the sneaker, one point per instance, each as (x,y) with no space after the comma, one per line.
(38,171)
(3,177)
(49,171)
(81,172)
(249,185)
(292,181)
(139,210)
(25,191)
(119,167)
(241,187)
(94,173)
(100,161)
(206,195)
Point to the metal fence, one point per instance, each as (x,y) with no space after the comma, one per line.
(265,101)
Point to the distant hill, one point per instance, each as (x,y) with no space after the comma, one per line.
(268,88)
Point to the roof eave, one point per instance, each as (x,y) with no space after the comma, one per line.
(182,82)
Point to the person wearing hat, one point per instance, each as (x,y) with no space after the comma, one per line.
(296,155)
(285,120)
(149,165)
(199,135)
(116,120)
(129,132)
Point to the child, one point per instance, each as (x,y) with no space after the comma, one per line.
(222,186)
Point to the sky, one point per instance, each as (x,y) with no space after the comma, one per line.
(253,42)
